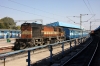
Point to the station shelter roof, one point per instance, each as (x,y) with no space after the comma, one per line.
(64,25)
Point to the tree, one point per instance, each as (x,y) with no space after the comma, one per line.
(2,25)
(18,27)
(8,23)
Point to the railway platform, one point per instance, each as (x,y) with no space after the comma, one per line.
(88,56)
(46,54)
(5,40)
(6,46)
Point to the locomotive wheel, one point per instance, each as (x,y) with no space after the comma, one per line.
(16,46)
(28,45)
(57,41)
(22,45)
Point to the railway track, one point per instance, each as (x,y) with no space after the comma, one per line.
(6,46)
(56,58)
(95,61)
(24,54)
(86,56)
(4,50)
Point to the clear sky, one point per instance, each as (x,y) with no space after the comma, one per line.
(52,10)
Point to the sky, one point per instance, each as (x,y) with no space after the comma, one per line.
(53,10)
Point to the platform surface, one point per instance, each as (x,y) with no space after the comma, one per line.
(4,43)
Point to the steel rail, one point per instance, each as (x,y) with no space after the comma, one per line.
(33,48)
(93,54)
(3,56)
(77,53)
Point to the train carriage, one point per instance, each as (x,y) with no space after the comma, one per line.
(9,33)
(71,31)
(95,32)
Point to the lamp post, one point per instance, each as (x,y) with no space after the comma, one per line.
(80,20)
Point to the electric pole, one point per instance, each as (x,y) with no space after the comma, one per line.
(80,20)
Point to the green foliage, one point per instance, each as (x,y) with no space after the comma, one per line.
(2,25)
(18,27)
(7,23)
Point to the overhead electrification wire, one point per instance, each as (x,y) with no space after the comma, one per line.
(91,18)
(91,8)
(87,7)
(28,6)
(71,20)
(39,9)
(26,12)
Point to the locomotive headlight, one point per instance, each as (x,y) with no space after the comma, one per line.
(36,40)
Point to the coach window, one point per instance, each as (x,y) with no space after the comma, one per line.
(71,34)
(2,34)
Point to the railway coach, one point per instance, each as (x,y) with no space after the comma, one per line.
(71,31)
(9,33)
(95,32)
(33,34)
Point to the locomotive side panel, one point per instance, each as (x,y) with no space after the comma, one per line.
(48,31)
(52,31)
(53,34)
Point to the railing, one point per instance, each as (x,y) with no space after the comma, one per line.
(80,40)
